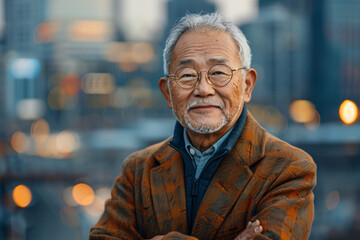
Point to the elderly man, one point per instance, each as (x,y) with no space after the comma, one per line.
(221,175)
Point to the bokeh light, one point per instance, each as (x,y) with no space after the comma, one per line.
(103,193)
(302,111)
(45,32)
(142,52)
(40,130)
(66,143)
(25,68)
(315,123)
(20,142)
(22,196)
(129,54)
(98,83)
(47,148)
(83,194)
(332,200)
(58,145)
(68,198)
(71,85)
(348,112)
(96,208)
(50,146)
(89,31)
(30,109)
(128,66)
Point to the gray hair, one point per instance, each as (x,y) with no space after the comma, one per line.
(213,21)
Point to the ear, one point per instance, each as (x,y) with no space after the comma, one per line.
(163,86)
(250,80)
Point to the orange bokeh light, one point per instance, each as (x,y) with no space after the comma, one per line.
(20,142)
(348,112)
(45,32)
(83,194)
(302,111)
(71,85)
(40,130)
(22,196)
(89,31)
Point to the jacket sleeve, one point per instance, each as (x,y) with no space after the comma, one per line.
(287,210)
(118,220)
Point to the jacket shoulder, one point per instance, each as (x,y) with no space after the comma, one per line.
(146,155)
(281,155)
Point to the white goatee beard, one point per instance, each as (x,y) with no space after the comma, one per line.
(202,127)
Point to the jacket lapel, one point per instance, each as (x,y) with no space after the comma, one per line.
(168,191)
(229,180)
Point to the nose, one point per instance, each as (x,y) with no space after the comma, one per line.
(203,88)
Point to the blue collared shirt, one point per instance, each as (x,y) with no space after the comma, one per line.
(201,158)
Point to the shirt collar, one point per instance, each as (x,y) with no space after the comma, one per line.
(209,151)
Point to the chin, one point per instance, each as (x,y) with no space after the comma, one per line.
(205,128)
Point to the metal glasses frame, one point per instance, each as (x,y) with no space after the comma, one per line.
(207,75)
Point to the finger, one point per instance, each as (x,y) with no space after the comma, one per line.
(258,229)
(256,223)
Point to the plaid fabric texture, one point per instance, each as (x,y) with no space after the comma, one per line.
(262,178)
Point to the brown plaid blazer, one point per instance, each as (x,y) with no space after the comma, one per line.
(262,178)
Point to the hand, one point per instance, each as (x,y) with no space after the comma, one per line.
(252,229)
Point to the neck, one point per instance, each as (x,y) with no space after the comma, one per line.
(202,142)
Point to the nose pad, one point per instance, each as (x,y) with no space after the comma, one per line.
(204,88)
(205,76)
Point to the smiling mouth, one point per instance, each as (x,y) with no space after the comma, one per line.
(203,108)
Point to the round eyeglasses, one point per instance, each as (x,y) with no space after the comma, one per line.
(219,75)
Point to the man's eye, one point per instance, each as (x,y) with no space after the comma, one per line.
(217,73)
(188,76)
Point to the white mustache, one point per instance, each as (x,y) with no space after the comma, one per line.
(204,101)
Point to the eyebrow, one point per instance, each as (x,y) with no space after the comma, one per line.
(218,60)
(213,60)
(185,61)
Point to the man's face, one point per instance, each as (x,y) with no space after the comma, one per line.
(206,108)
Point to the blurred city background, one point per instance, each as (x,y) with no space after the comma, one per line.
(78,93)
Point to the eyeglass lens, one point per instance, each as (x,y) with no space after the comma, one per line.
(218,75)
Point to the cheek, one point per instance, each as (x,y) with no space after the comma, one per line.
(234,99)
(235,95)
(178,101)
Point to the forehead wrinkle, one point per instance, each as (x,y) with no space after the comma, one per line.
(195,48)
(211,61)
